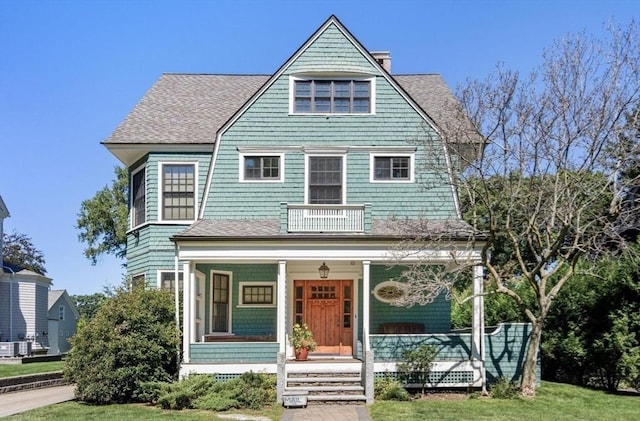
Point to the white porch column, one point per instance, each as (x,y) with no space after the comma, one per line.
(477,340)
(281,306)
(193,290)
(366,294)
(187,318)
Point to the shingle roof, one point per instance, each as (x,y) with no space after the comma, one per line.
(190,108)
(266,228)
(186,108)
(54,295)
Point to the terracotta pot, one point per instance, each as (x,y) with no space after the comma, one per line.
(302,354)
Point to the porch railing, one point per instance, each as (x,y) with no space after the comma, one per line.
(325,218)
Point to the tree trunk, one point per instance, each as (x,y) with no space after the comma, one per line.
(529,378)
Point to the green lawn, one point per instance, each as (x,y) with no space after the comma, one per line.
(8,370)
(72,411)
(554,401)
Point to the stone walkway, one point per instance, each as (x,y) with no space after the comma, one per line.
(327,413)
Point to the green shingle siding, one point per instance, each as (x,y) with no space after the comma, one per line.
(245,320)
(435,316)
(452,347)
(236,353)
(149,248)
(506,350)
(268,123)
(332,52)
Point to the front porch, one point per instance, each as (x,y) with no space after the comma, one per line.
(322,375)
(241,299)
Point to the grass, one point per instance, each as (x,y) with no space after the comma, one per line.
(554,401)
(9,370)
(74,411)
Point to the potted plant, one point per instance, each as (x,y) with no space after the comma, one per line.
(302,341)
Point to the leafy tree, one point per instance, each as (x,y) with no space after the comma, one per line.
(102,220)
(18,250)
(593,331)
(130,340)
(88,305)
(546,173)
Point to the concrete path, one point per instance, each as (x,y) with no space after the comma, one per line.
(16,402)
(327,413)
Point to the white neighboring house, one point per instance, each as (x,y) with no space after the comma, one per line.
(63,319)
(23,305)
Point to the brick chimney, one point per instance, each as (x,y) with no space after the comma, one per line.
(383,58)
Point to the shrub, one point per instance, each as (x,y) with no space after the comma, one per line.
(389,389)
(417,364)
(504,389)
(199,391)
(130,341)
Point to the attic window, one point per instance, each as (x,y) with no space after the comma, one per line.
(327,96)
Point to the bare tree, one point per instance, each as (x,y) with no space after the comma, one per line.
(545,190)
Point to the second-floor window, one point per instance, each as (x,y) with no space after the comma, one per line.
(391,168)
(332,96)
(138,198)
(262,167)
(325,180)
(178,192)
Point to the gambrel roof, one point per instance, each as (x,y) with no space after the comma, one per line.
(191,108)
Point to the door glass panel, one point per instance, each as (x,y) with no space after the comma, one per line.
(220,304)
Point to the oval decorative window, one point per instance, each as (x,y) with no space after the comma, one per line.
(389,291)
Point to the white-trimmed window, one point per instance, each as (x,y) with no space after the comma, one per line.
(177,191)
(220,302)
(138,280)
(61,312)
(325,179)
(138,197)
(167,280)
(332,96)
(261,167)
(392,168)
(257,294)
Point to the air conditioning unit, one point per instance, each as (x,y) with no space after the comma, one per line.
(9,349)
(25,347)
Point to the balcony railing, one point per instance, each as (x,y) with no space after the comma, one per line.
(326,218)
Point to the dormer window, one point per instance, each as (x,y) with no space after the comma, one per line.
(332,96)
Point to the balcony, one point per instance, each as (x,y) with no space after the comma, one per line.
(325,218)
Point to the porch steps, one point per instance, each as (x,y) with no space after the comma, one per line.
(326,382)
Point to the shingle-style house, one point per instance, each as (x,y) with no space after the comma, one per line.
(277,199)
(63,321)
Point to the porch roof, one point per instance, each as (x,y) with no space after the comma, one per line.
(252,229)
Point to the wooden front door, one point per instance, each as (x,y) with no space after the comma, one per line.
(327,308)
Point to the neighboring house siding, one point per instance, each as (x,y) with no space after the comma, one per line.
(4,310)
(64,329)
(268,123)
(41,321)
(435,316)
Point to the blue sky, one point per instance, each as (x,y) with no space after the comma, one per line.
(70,71)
